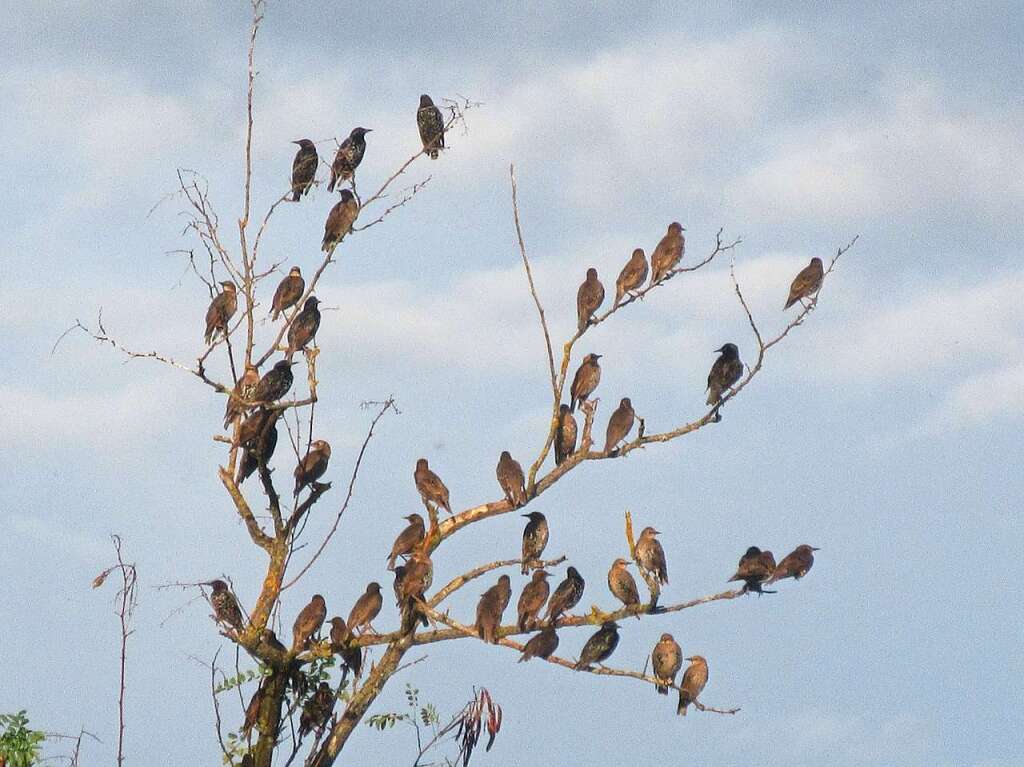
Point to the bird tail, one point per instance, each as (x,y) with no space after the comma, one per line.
(434,153)
(296,194)
(715,396)
(572,405)
(526,567)
(662,689)
(684,701)
(789,302)
(391,562)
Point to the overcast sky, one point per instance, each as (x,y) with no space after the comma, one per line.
(886,430)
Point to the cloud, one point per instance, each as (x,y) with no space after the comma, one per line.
(979,399)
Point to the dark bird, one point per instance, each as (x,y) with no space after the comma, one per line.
(348,157)
(589,298)
(622,585)
(796,564)
(694,679)
(407,540)
(587,377)
(241,395)
(270,639)
(755,568)
(313,465)
(543,645)
(351,656)
(308,622)
(252,711)
(535,538)
(632,275)
(288,292)
(316,710)
(261,448)
(668,253)
(252,427)
(724,373)
(534,595)
(806,283)
(666,660)
(340,220)
(397,586)
(565,435)
(567,595)
(222,309)
(275,383)
(412,585)
(304,168)
(225,606)
(339,632)
(511,478)
(490,608)
(619,424)
(600,646)
(366,608)
(650,556)
(430,486)
(431,125)
(304,326)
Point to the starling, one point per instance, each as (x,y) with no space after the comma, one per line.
(534,595)
(565,435)
(632,275)
(270,639)
(566,596)
(303,168)
(252,427)
(806,283)
(600,646)
(650,556)
(755,568)
(308,622)
(619,424)
(241,395)
(694,679)
(288,292)
(349,155)
(490,608)
(622,585)
(666,660)
(511,479)
(668,253)
(431,125)
(366,608)
(252,711)
(260,449)
(304,326)
(541,646)
(339,632)
(275,383)
(411,585)
(587,377)
(407,540)
(431,487)
(724,373)
(222,309)
(313,465)
(316,710)
(796,564)
(589,298)
(340,220)
(397,586)
(225,606)
(535,538)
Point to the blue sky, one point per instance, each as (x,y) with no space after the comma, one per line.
(886,430)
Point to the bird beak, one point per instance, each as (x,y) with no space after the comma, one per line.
(369,130)
(295,142)
(657,532)
(815,548)
(598,356)
(690,659)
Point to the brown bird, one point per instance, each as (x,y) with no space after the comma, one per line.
(304,168)
(225,606)
(413,584)
(431,487)
(632,275)
(304,326)
(366,608)
(270,639)
(408,539)
(806,283)
(622,585)
(252,711)
(600,646)
(308,622)
(313,465)
(755,568)
(397,585)
(511,478)
(241,395)
(535,538)
(252,427)
(666,660)
(589,298)
(348,157)
(339,632)
(490,608)
(724,373)
(351,656)
(259,449)
(668,253)
(431,125)
(796,564)
(543,645)
(567,595)
(288,292)
(650,555)
(222,309)
(275,383)
(619,424)
(317,710)
(694,679)
(340,220)
(565,435)
(532,600)
(587,377)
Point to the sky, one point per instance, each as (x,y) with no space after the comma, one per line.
(885,430)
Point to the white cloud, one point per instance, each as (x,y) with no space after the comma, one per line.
(981,398)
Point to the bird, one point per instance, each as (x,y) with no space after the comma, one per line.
(587,377)
(755,567)
(339,631)
(806,283)
(366,608)
(650,555)
(270,639)
(622,585)
(724,373)
(252,427)
(348,156)
(304,168)
(340,220)
(694,679)
(589,298)
(259,449)
(225,606)
(565,435)
(397,585)
(252,711)
(411,585)
(668,253)
(796,564)
(288,292)
(599,647)
(567,595)
(535,538)
(666,660)
(275,383)
(351,656)
(543,645)
(490,608)
(313,465)
(632,275)
(619,424)
(304,326)
(511,478)
(222,309)
(316,710)
(241,395)
(431,125)
(308,622)
(430,486)
(535,594)
(408,539)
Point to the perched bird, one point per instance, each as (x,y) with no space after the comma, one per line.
(806,283)
(304,326)
(275,383)
(366,608)
(490,608)
(724,373)
(796,564)
(511,478)
(304,168)
(431,125)
(340,220)
(632,275)
(600,646)
(397,585)
(270,639)
(589,298)
(565,435)
(666,660)
(755,568)
(351,656)
(587,377)
(619,424)
(252,711)
(339,631)
(316,710)
(534,595)
(222,309)
(668,253)
(622,585)
(242,394)
(225,606)
(252,427)
(694,679)
(408,539)
(288,292)
(535,538)
(261,448)
(412,585)
(543,645)
(313,465)
(567,595)
(430,486)
(650,555)
(308,622)
(348,157)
